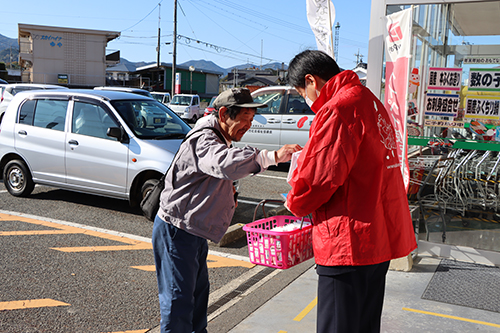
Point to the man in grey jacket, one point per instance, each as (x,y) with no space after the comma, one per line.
(198,203)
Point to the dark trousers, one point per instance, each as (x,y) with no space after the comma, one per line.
(350,298)
(182,275)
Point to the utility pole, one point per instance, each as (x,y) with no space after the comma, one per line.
(359,57)
(174,51)
(337,33)
(261,50)
(158,48)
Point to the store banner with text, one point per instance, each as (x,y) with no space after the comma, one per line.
(397,50)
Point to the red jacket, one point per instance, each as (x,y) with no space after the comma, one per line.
(349,177)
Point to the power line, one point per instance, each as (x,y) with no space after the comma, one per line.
(143,17)
(219,49)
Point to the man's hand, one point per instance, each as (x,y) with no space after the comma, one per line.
(284,154)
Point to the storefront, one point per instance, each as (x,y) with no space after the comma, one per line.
(452,111)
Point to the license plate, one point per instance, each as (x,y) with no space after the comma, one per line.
(158,120)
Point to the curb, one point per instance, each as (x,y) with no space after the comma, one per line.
(235,232)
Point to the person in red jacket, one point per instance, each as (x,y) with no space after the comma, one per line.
(348,177)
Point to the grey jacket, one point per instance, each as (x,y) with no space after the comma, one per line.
(198,193)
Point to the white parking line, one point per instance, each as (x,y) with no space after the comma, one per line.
(274,177)
(256,203)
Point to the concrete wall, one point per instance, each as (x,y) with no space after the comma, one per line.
(78,53)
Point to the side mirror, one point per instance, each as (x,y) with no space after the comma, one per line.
(118,133)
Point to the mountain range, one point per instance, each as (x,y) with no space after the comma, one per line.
(9,49)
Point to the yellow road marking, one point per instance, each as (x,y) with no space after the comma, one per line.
(136,331)
(452,317)
(61,229)
(307,309)
(213,261)
(216,261)
(147,268)
(145,246)
(31,303)
(282,332)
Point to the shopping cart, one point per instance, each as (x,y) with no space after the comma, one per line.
(270,244)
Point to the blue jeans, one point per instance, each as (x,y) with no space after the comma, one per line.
(182,274)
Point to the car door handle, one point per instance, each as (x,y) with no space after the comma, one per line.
(73,142)
(22,132)
(289,121)
(273,121)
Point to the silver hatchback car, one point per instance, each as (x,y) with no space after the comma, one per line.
(88,141)
(286,119)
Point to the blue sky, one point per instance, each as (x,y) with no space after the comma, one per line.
(231,32)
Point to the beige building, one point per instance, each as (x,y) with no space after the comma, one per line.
(55,55)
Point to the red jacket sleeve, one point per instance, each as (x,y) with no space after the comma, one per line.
(324,163)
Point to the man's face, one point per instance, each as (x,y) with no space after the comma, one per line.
(235,128)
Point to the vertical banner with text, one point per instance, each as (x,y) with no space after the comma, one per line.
(177,83)
(397,54)
(321,15)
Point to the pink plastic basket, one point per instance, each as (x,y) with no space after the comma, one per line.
(278,249)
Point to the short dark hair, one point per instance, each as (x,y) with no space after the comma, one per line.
(311,62)
(232,112)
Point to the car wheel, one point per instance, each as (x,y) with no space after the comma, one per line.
(17,179)
(194,119)
(148,186)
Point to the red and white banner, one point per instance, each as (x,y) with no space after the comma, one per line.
(321,15)
(177,83)
(397,54)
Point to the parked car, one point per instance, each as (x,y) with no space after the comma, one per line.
(127,89)
(186,106)
(210,108)
(162,97)
(87,141)
(286,119)
(10,90)
(3,81)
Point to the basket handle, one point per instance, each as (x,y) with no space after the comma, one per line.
(263,203)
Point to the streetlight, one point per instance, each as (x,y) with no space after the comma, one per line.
(191,69)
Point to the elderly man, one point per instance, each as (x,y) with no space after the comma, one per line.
(198,204)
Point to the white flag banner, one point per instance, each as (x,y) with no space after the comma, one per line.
(321,15)
(397,53)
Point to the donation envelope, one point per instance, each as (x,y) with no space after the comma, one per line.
(293,165)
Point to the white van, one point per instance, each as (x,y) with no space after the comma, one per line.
(92,141)
(186,106)
(286,119)
(162,97)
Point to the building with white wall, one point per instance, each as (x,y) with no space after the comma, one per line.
(56,55)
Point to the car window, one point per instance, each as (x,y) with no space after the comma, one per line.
(48,113)
(26,112)
(150,119)
(15,90)
(181,100)
(158,97)
(297,105)
(93,120)
(195,101)
(211,105)
(272,99)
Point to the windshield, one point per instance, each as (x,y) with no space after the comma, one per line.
(211,105)
(158,97)
(272,99)
(181,100)
(149,119)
